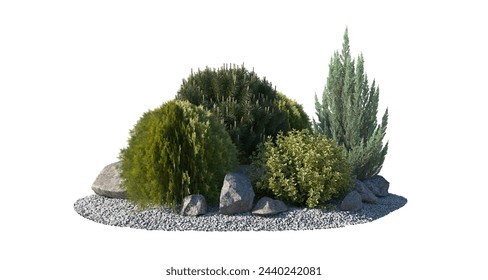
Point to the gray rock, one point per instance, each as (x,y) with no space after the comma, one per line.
(352,202)
(378,185)
(194,205)
(366,194)
(108,182)
(269,206)
(236,195)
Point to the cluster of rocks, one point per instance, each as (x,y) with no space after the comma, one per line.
(367,191)
(237,194)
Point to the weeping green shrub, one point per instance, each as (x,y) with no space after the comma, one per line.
(246,104)
(176,150)
(301,168)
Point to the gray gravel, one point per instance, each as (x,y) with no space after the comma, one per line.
(119,212)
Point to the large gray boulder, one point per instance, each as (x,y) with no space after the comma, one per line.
(194,205)
(236,195)
(108,182)
(269,206)
(378,185)
(366,194)
(352,202)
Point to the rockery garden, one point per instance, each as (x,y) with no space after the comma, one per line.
(229,152)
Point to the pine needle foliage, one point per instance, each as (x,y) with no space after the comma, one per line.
(243,102)
(295,116)
(302,168)
(348,113)
(173,151)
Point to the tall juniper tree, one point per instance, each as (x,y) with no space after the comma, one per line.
(348,112)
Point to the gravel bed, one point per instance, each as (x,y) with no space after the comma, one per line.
(119,212)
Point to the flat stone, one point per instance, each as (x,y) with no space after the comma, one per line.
(269,206)
(237,194)
(194,205)
(108,182)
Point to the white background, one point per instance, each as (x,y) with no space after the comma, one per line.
(75,76)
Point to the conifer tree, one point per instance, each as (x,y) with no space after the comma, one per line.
(348,112)
(249,107)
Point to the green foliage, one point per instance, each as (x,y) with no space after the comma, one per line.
(302,168)
(176,150)
(295,116)
(244,103)
(348,112)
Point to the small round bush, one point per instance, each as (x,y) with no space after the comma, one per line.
(302,168)
(243,102)
(173,151)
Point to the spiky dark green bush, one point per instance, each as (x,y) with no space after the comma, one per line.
(295,116)
(176,150)
(348,112)
(246,104)
(302,168)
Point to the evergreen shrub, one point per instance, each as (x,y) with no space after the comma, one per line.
(246,104)
(301,168)
(173,151)
(295,116)
(348,112)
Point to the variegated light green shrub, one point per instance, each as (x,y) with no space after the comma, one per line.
(302,168)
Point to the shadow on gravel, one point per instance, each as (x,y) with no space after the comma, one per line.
(384,207)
